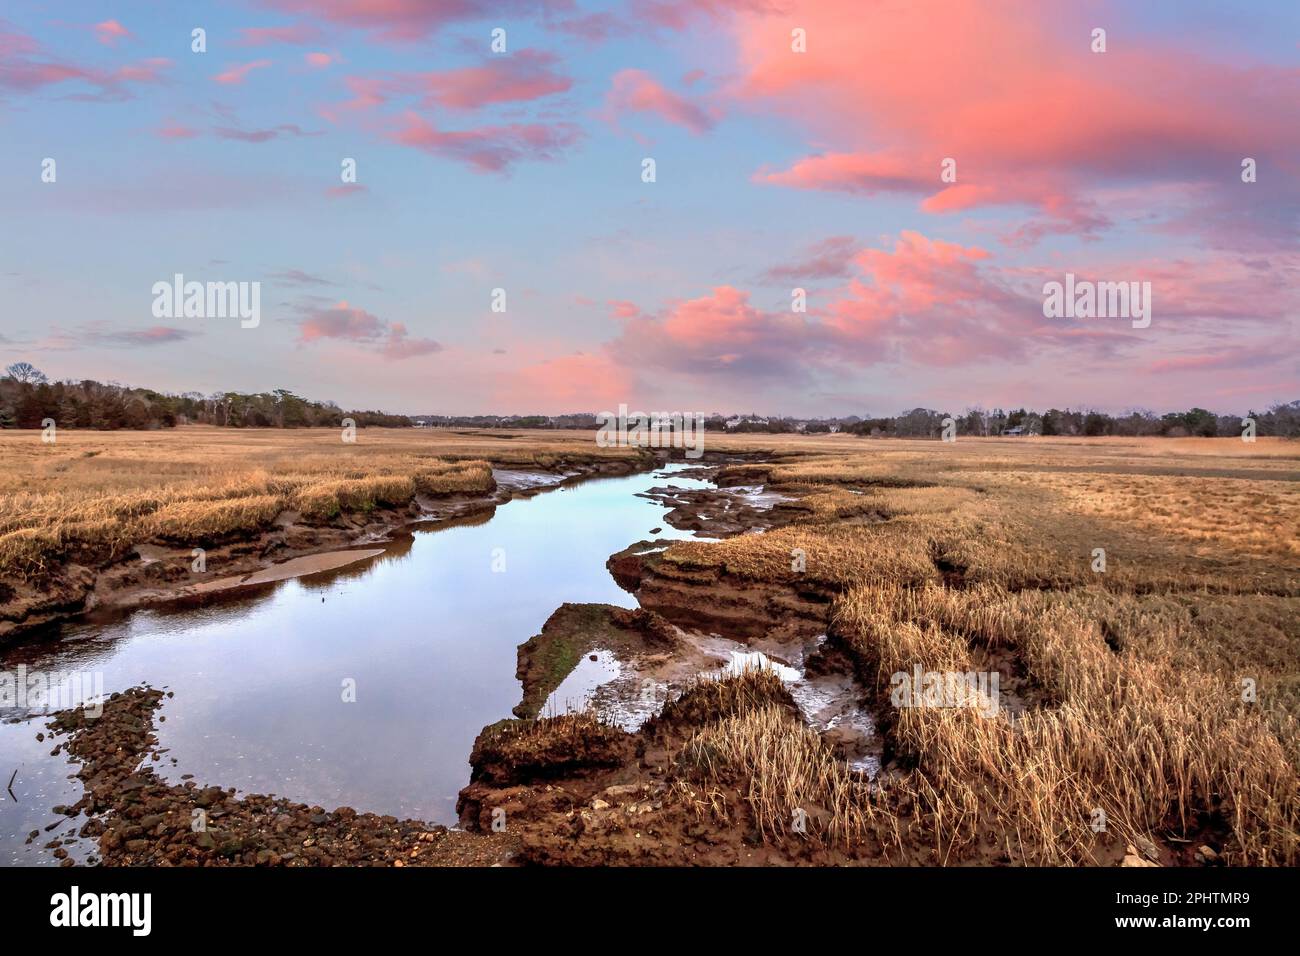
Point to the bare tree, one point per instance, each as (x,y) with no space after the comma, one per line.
(27,373)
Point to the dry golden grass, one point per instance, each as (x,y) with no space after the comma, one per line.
(94,495)
(1161,747)
(783,766)
(1126,685)
(1253,516)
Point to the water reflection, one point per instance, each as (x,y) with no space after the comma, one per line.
(427,632)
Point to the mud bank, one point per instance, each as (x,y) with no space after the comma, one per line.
(576,791)
(578,631)
(138,819)
(723,512)
(157,572)
(711,599)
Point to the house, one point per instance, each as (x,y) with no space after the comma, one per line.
(1015,431)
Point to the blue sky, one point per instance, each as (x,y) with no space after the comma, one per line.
(774,170)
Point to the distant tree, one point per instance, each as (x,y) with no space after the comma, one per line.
(27,373)
(1201,423)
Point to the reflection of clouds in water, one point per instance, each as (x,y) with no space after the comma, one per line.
(426,629)
(576,690)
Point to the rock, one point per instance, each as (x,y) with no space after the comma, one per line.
(1147,849)
(1206,855)
(1131,857)
(599,804)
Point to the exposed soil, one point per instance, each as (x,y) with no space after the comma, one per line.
(722,512)
(711,599)
(574,791)
(574,631)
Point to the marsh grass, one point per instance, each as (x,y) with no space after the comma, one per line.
(980,555)
(93,496)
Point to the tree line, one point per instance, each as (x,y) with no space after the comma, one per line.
(1281,420)
(28,399)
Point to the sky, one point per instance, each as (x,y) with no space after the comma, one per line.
(920,169)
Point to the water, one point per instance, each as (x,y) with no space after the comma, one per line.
(426,633)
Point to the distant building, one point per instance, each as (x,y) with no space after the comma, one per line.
(1016,431)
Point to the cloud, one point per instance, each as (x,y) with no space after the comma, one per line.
(399,345)
(923,302)
(101,335)
(340,321)
(591,27)
(636,91)
(401,21)
(173,130)
(153,335)
(1012,93)
(235,73)
(296,34)
(110,31)
(318,59)
(347,323)
(26,67)
(261,135)
(522,77)
(488,149)
(298,277)
(1232,358)
(828,259)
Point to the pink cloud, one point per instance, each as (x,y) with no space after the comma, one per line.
(110,31)
(174,130)
(261,135)
(827,259)
(318,59)
(399,345)
(26,67)
(295,35)
(402,21)
(344,322)
(487,148)
(236,73)
(592,27)
(1013,94)
(522,77)
(340,321)
(100,334)
(624,309)
(636,91)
